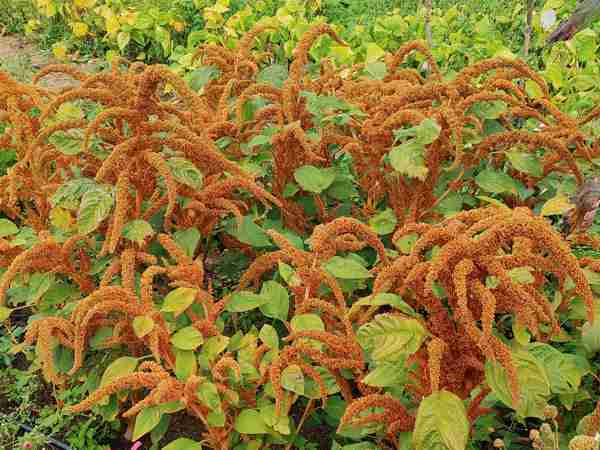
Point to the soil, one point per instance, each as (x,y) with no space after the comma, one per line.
(16,50)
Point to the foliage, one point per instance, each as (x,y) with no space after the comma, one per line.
(391,215)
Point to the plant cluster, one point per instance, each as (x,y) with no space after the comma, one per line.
(405,279)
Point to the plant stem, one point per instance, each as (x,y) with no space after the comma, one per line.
(307,410)
(428,33)
(528,27)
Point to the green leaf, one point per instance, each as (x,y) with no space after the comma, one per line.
(522,275)
(273,75)
(382,299)
(590,336)
(63,358)
(427,131)
(442,423)
(346,268)
(292,379)
(307,322)
(96,205)
(70,192)
(142,325)
(526,162)
(565,371)
(533,382)
(122,41)
(185,172)
(489,110)
(200,77)
(216,418)
(4,313)
(178,300)
(376,70)
(268,334)
(374,52)
(209,395)
(185,364)
(7,228)
(249,421)
(137,230)
(187,240)
(276,300)
(188,338)
(387,374)
(497,182)
(389,337)
(183,444)
(68,143)
(409,159)
(248,232)
(145,421)
(314,179)
(244,301)
(213,346)
(406,243)
(384,222)
(557,205)
(118,368)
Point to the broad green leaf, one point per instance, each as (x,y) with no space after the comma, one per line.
(185,172)
(268,334)
(590,336)
(178,300)
(314,179)
(280,423)
(427,131)
(4,313)
(376,70)
(409,159)
(145,421)
(384,222)
(292,379)
(526,162)
(63,358)
(406,243)
(188,338)
(387,374)
(307,322)
(249,421)
(534,386)
(489,110)
(185,364)
(213,346)
(101,335)
(276,300)
(183,444)
(288,274)
(522,275)
(244,301)
(188,240)
(273,75)
(382,299)
(7,228)
(200,77)
(96,205)
(216,418)
(374,52)
(209,395)
(68,143)
(137,231)
(69,193)
(389,337)
(118,368)
(557,205)
(565,371)
(142,325)
(346,268)
(248,232)
(442,423)
(497,182)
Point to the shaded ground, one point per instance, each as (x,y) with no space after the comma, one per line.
(21,58)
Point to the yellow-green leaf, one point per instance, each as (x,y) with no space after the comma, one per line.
(556,206)
(178,300)
(442,423)
(142,325)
